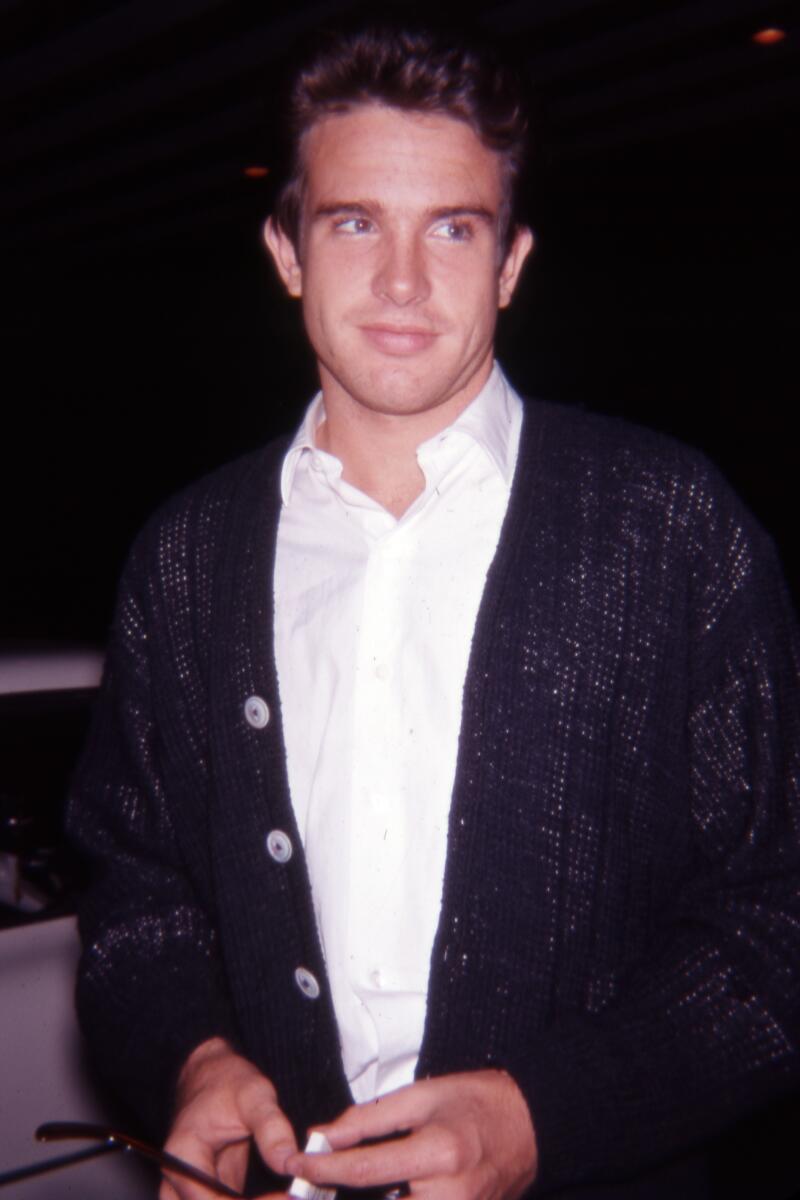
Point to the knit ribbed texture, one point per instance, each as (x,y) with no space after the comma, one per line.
(621,911)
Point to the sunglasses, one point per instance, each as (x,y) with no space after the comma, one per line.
(107,1140)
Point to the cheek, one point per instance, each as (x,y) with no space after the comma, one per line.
(326,327)
(470,284)
(478,311)
(331,286)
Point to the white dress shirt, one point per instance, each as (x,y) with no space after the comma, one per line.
(373,627)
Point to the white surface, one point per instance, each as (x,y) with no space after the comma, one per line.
(41,1075)
(49,670)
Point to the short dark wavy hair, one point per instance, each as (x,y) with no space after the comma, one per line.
(418,70)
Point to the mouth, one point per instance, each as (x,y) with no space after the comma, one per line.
(399,340)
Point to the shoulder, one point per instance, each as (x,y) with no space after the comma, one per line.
(594,455)
(574,437)
(186,539)
(239,492)
(256,474)
(629,494)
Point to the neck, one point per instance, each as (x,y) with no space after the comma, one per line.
(378,450)
(379,458)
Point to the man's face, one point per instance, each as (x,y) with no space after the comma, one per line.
(398,261)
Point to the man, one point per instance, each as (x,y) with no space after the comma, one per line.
(448,756)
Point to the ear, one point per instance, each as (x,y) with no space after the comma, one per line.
(512,267)
(284,256)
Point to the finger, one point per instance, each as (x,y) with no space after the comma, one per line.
(273,1134)
(232,1164)
(178,1187)
(192,1149)
(394,1112)
(198,1153)
(167,1191)
(430,1151)
(440,1188)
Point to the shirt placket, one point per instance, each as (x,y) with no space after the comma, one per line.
(377,850)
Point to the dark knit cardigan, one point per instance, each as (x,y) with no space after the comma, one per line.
(620,926)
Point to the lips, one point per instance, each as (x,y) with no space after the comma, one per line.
(399,339)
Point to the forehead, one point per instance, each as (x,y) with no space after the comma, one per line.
(405,158)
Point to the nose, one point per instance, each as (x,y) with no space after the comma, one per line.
(401,275)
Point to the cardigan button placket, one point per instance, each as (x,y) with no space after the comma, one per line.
(256,712)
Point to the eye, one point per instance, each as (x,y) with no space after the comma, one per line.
(453,231)
(353,225)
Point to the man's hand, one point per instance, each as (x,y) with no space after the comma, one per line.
(223,1101)
(470,1137)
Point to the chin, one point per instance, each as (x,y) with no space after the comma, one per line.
(410,400)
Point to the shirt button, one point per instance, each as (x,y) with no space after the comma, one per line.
(256,712)
(383,671)
(279,845)
(376,978)
(307,983)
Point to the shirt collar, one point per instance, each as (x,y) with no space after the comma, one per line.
(490,420)
(302,442)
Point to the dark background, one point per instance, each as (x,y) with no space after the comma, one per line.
(146,339)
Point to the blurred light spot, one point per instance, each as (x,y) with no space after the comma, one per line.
(256,172)
(768,37)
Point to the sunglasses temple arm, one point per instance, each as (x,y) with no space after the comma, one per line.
(113,1138)
(55,1164)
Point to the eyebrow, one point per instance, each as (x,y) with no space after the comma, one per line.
(360,208)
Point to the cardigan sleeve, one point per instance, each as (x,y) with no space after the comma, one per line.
(151,984)
(706,1028)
